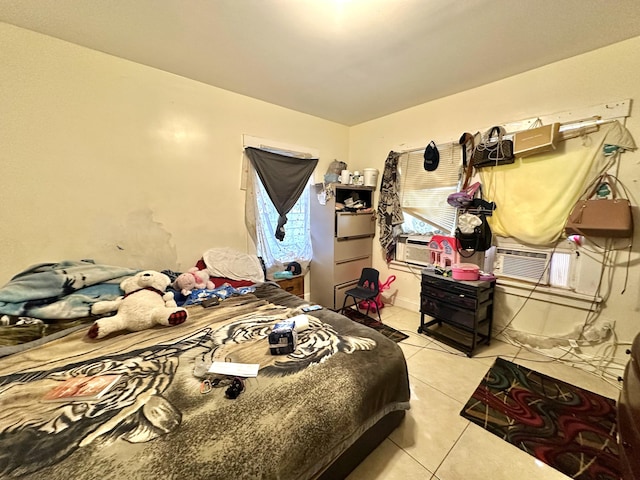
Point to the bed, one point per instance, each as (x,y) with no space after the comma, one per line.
(314,413)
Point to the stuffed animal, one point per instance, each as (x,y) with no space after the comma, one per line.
(193,279)
(145,304)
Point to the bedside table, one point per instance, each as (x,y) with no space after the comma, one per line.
(293,285)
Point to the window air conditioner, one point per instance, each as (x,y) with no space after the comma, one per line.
(569,267)
(517,262)
(416,250)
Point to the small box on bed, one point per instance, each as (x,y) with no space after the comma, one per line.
(283,338)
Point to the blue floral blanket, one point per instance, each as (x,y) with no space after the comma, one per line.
(61,290)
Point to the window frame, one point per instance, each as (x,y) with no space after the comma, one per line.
(282,148)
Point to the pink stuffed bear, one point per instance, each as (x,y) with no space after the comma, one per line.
(193,279)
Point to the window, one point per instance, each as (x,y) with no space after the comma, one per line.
(557,273)
(261,216)
(423,194)
(570,273)
(416,226)
(296,245)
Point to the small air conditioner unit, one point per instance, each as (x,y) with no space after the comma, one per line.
(416,250)
(514,261)
(568,266)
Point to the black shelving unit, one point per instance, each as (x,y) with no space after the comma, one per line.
(461,311)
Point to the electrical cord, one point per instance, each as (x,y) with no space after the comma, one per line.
(599,363)
(600,374)
(528,297)
(592,313)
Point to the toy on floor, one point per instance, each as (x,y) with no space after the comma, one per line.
(378,303)
(145,304)
(193,279)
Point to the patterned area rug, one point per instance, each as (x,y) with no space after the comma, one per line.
(570,429)
(386,330)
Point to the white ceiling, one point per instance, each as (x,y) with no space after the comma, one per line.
(348,61)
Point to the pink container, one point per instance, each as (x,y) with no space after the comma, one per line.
(465,271)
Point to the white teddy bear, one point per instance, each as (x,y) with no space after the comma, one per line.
(145,304)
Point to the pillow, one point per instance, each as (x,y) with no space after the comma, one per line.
(230,263)
(218,281)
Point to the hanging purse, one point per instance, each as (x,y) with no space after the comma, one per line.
(491,153)
(601,217)
(463,198)
(477,240)
(473,232)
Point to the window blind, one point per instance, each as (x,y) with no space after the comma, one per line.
(424,194)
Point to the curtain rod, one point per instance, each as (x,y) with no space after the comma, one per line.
(576,129)
(572,129)
(283,151)
(421,149)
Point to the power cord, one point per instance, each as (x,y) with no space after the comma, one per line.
(528,297)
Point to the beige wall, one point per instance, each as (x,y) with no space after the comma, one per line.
(605,75)
(107,159)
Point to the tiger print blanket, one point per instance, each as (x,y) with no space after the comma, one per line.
(293,419)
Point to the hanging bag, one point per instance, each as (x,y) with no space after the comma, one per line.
(601,217)
(476,240)
(538,139)
(464,198)
(473,233)
(493,150)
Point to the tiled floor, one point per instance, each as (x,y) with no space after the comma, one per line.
(434,442)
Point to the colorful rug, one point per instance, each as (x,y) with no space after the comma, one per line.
(568,428)
(386,330)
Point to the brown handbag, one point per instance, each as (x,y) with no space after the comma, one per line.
(601,217)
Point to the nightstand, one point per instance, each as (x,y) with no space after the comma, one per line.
(293,285)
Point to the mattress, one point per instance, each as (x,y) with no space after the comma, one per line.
(293,421)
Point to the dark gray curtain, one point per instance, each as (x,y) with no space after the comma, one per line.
(284,179)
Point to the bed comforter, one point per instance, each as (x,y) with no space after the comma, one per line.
(292,420)
(61,290)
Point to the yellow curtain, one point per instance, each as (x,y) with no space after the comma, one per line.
(535,195)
